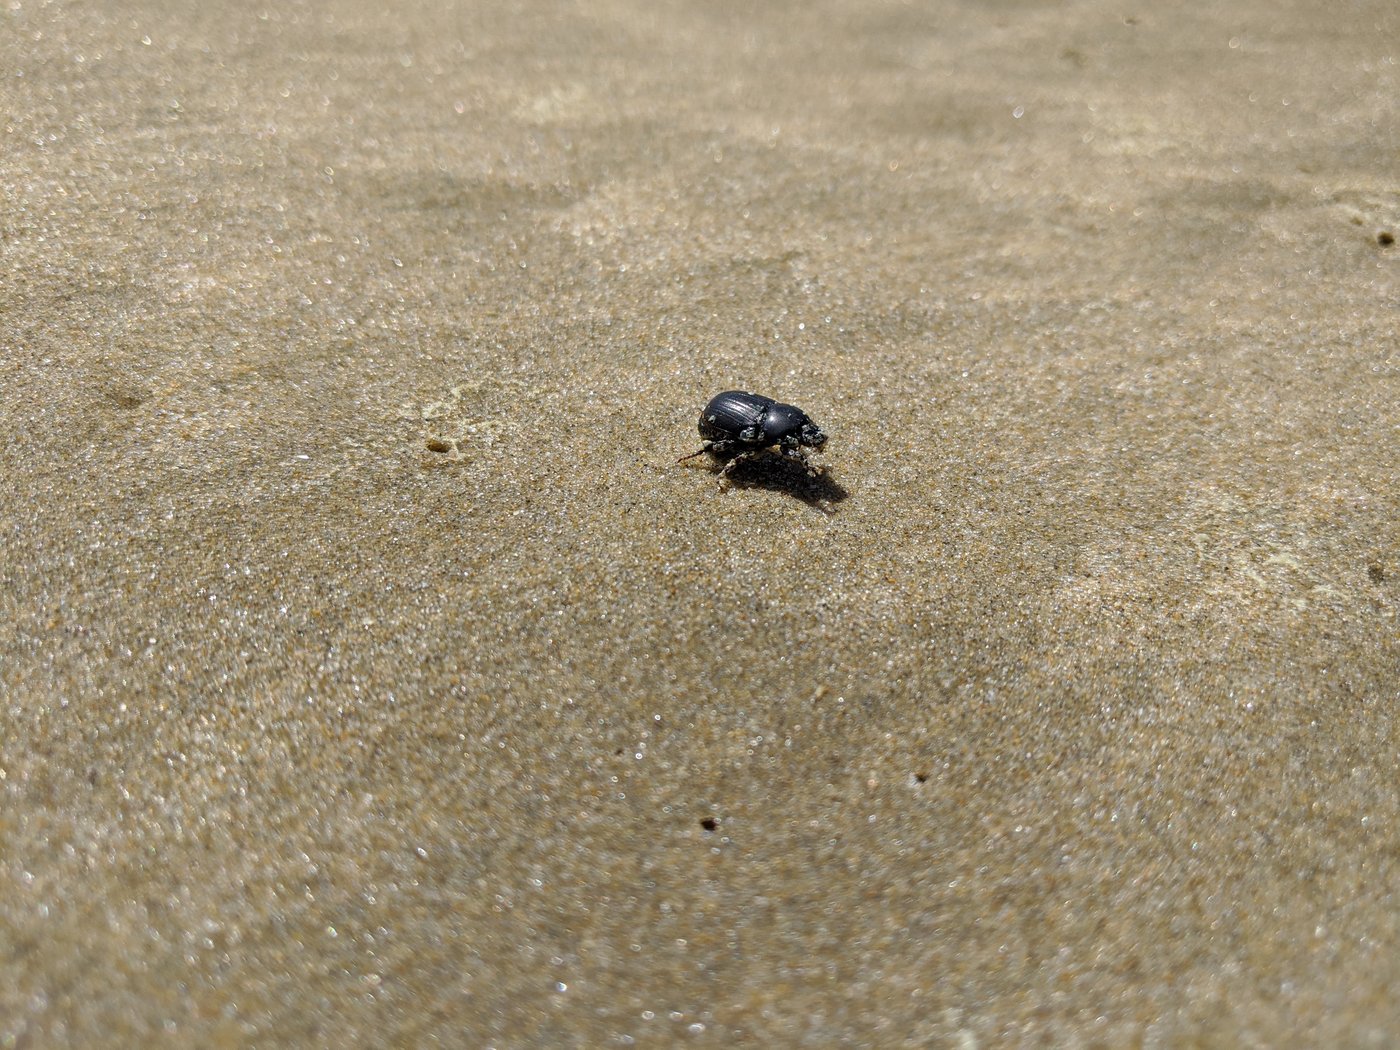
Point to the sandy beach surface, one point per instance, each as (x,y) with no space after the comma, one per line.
(372,675)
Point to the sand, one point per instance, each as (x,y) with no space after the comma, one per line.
(373,676)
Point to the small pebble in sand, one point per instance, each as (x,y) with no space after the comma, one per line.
(438,445)
(1385,238)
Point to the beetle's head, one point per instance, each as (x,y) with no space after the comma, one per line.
(783,424)
(789,426)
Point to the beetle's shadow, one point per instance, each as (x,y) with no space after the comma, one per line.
(778,474)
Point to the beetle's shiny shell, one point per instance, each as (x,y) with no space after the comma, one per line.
(730,414)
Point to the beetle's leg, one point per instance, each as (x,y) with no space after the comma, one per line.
(708,446)
(742,457)
(796,452)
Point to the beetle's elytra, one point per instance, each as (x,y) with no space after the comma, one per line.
(740,425)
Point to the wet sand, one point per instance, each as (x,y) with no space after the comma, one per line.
(372,675)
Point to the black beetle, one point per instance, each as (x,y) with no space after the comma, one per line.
(743,423)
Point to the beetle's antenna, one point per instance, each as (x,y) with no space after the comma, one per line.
(692,455)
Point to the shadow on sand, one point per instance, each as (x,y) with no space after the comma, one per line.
(777,474)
